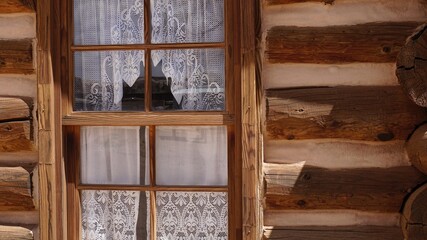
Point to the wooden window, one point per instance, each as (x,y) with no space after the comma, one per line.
(151,118)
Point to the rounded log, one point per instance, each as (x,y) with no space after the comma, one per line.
(412,66)
(414,216)
(416,147)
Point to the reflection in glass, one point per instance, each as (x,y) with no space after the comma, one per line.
(109,81)
(114,155)
(115,214)
(192,215)
(190,79)
(195,155)
(100,22)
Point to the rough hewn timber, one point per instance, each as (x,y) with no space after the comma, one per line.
(278,2)
(15,190)
(330,233)
(416,147)
(25,159)
(372,42)
(412,66)
(356,113)
(414,216)
(15,136)
(13,108)
(15,233)
(16,56)
(16,6)
(295,186)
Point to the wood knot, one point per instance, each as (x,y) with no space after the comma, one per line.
(306,176)
(301,203)
(386,49)
(385,136)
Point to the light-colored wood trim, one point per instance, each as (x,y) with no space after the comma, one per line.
(137,119)
(147,46)
(153,188)
(249,28)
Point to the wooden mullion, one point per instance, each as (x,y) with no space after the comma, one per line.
(146,46)
(67,105)
(147,52)
(152,154)
(153,219)
(153,188)
(136,119)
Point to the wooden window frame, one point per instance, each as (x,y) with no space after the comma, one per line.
(52,52)
(72,121)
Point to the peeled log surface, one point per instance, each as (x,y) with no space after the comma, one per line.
(327,233)
(414,216)
(13,108)
(371,42)
(277,2)
(16,6)
(15,136)
(380,113)
(412,67)
(16,56)
(416,147)
(15,190)
(295,186)
(15,233)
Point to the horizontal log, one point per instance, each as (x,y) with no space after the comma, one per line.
(13,85)
(292,75)
(15,233)
(329,233)
(278,2)
(372,42)
(329,217)
(380,113)
(16,56)
(296,186)
(15,136)
(19,218)
(16,6)
(15,190)
(342,12)
(26,159)
(333,154)
(13,108)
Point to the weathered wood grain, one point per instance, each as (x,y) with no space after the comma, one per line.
(15,233)
(416,148)
(279,2)
(16,56)
(26,159)
(412,67)
(13,108)
(334,154)
(16,6)
(372,42)
(414,215)
(295,186)
(380,113)
(329,233)
(15,190)
(15,136)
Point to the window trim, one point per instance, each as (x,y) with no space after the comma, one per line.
(71,120)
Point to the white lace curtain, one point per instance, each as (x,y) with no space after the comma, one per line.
(196,76)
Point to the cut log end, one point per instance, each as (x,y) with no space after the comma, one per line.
(416,147)
(412,66)
(414,216)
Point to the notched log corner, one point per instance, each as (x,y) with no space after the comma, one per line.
(15,189)
(412,66)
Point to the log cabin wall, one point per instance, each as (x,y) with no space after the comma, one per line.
(18,97)
(335,118)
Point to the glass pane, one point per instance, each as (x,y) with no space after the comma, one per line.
(191,155)
(114,155)
(115,215)
(109,81)
(192,215)
(187,21)
(99,22)
(188,79)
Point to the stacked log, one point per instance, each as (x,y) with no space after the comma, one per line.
(336,119)
(18,152)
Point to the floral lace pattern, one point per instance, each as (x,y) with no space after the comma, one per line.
(197,75)
(108,215)
(192,215)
